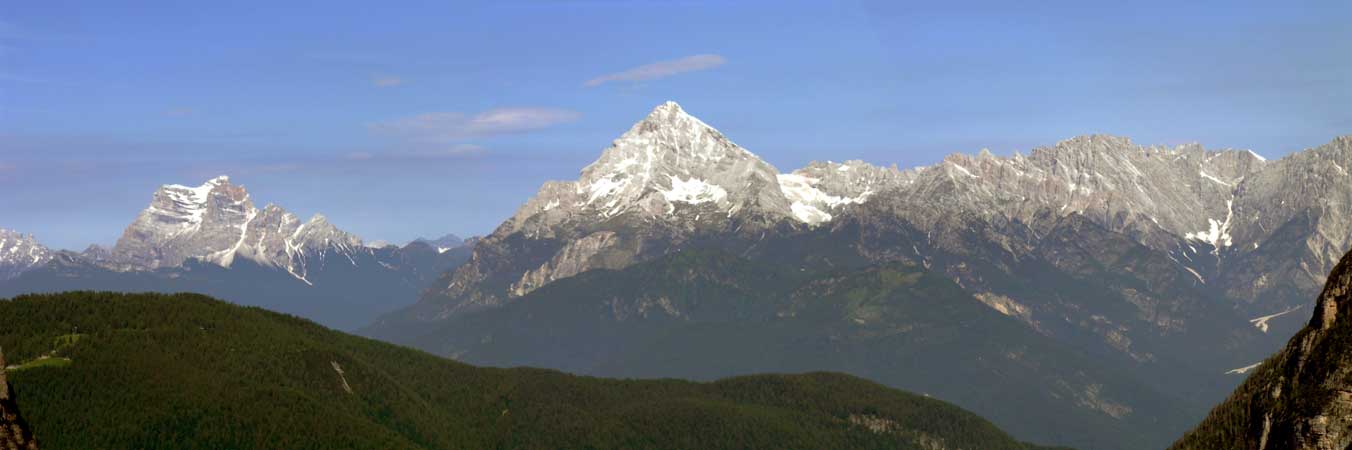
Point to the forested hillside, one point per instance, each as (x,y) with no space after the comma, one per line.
(102,370)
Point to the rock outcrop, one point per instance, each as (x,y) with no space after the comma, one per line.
(14,432)
(1301,398)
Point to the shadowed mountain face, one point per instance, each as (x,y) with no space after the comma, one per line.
(185,371)
(705,314)
(1301,398)
(1169,266)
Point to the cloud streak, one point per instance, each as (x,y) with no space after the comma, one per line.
(449,126)
(662,69)
(180,112)
(435,152)
(385,81)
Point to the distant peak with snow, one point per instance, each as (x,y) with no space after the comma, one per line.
(217,222)
(20,252)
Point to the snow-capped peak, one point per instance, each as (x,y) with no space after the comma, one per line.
(216,222)
(669,163)
(20,252)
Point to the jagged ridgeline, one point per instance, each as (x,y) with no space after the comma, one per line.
(1301,398)
(187,371)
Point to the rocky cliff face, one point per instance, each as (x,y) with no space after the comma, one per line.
(14,432)
(1301,398)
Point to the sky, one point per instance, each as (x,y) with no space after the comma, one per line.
(420,119)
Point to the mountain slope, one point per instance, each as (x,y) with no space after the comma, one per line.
(705,314)
(1300,398)
(185,371)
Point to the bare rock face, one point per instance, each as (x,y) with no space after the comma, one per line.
(208,222)
(575,257)
(14,432)
(1300,398)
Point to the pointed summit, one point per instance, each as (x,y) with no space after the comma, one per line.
(667,163)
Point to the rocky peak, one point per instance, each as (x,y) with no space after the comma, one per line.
(207,221)
(20,252)
(216,222)
(668,164)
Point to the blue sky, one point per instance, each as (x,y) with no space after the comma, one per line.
(422,119)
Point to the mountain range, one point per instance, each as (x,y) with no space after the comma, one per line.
(212,239)
(1137,276)
(1094,293)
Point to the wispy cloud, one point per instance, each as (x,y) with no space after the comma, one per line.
(180,112)
(384,81)
(430,152)
(449,126)
(661,69)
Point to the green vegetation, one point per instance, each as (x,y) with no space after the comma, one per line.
(187,371)
(43,362)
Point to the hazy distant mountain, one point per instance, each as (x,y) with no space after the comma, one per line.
(1170,265)
(444,243)
(1301,398)
(211,239)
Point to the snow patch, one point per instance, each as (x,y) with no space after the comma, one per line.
(1212,178)
(1245,369)
(1195,274)
(1219,233)
(809,214)
(1262,322)
(807,200)
(694,191)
